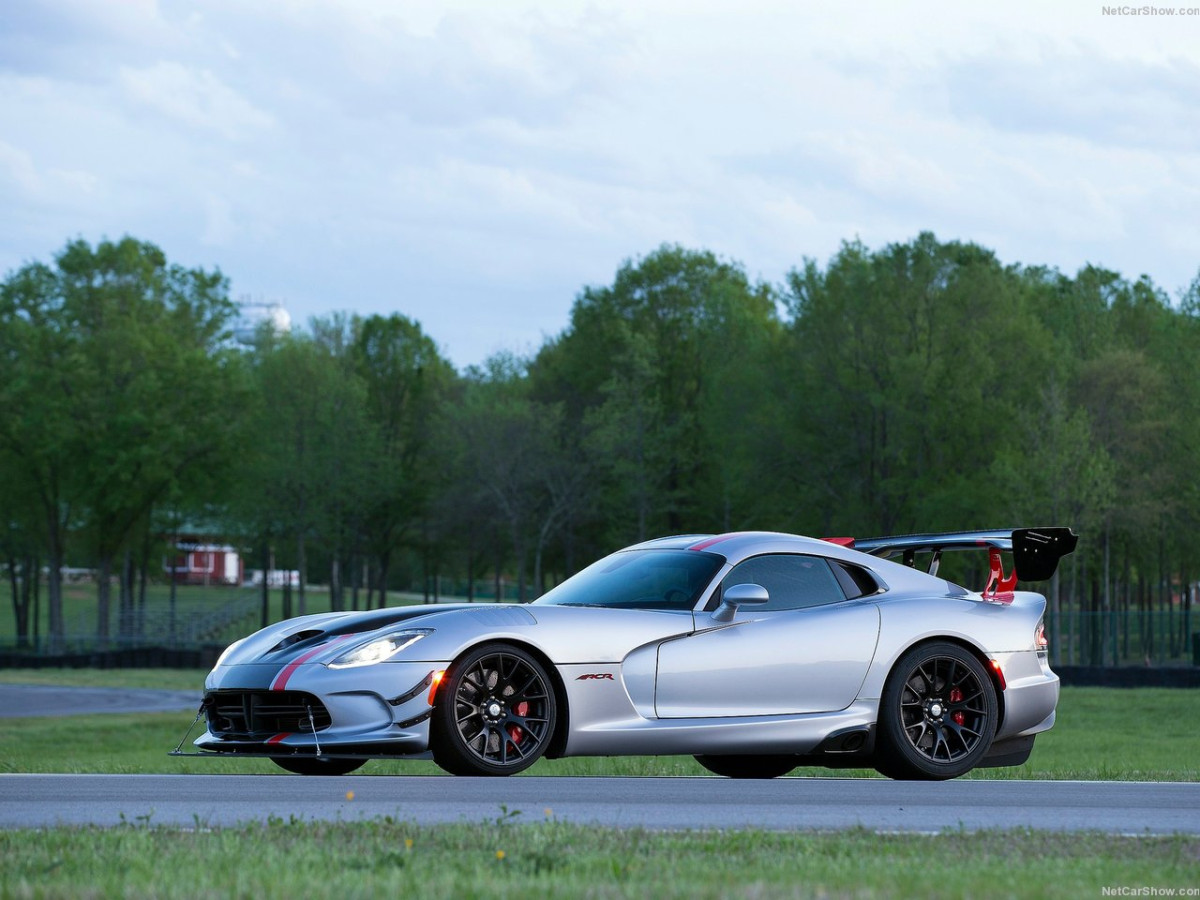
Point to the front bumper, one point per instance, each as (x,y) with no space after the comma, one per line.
(380,710)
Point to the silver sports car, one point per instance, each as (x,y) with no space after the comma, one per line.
(754,652)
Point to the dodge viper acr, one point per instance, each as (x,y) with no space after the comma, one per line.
(754,652)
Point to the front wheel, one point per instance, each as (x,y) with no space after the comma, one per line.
(748,766)
(495,713)
(310,765)
(937,716)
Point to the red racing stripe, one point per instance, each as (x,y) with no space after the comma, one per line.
(278,739)
(281,680)
(704,545)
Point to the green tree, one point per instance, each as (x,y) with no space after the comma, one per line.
(522,461)
(20,550)
(159,398)
(406,380)
(41,444)
(354,449)
(110,366)
(645,368)
(309,470)
(908,363)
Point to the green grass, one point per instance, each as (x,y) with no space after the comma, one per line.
(347,860)
(1119,734)
(167,679)
(1106,734)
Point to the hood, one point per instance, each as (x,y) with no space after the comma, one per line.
(289,641)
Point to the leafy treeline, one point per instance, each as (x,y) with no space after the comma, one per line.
(923,386)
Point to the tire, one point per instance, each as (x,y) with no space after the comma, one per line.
(937,716)
(494,714)
(748,766)
(310,765)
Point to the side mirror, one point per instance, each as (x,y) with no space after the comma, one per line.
(739,595)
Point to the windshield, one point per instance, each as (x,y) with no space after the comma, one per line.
(639,579)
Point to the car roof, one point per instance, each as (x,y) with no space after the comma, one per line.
(736,546)
(737,543)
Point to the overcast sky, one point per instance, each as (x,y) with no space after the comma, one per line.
(474,164)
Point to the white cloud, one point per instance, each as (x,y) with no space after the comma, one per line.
(474,164)
(18,166)
(73,39)
(1104,101)
(194,97)
(218,222)
(76,180)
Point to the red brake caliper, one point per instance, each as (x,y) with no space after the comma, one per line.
(956,696)
(514,731)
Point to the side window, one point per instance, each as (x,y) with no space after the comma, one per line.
(793,581)
(856,582)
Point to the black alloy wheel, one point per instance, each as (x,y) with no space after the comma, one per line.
(310,765)
(749,766)
(938,714)
(494,713)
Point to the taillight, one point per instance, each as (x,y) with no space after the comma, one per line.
(1040,641)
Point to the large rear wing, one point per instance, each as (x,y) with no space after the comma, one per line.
(1036,551)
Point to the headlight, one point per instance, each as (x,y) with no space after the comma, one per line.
(225,653)
(379,649)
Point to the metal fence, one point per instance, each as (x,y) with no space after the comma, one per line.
(1123,637)
(156,627)
(1115,638)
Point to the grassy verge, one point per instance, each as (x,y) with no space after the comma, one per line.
(1102,734)
(551,859)
(167,679)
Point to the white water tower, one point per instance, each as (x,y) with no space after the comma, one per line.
(256,315)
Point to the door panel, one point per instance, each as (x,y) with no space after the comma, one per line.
(769,663)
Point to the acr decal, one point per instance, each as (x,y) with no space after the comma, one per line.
(596,676)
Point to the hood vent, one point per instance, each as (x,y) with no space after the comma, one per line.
(292,639)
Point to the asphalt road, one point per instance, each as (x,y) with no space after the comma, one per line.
(709,802)
(20,700)
(669,803)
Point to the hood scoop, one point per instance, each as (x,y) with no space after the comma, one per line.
(298,638)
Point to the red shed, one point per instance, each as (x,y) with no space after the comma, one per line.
(200,563)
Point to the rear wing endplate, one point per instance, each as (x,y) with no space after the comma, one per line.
(1036,551)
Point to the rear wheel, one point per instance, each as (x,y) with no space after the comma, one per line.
(937,716)
(748,766)
(310,765)
(494,714)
